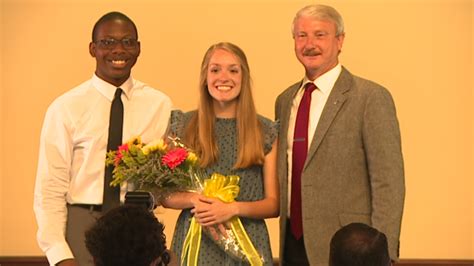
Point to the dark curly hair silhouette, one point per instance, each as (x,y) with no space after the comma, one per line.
(127,235)
(358,244)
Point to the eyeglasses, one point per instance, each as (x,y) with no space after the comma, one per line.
(110,43)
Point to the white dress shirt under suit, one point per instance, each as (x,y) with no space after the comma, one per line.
(73,146)
(319,97)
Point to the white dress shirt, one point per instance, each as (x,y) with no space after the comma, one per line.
(73,146)
(324,84)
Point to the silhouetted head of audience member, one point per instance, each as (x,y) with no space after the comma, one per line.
(127,235)
(359,244)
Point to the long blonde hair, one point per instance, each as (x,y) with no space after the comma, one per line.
(199,133)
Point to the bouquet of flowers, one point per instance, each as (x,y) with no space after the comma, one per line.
(164,167)
(159,166)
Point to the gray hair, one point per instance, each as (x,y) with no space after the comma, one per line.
(320,12)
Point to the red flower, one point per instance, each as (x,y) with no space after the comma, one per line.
(174,157)
(121,150)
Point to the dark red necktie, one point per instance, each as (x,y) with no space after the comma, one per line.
(300,150)
(112,194)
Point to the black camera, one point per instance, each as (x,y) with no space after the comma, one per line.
(143,198)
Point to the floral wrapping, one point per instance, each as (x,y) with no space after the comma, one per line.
(237,243)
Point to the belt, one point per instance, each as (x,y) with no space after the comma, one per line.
(91,207)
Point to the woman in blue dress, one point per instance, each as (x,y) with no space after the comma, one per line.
(230,138)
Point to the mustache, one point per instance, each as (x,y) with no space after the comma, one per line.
(310,52)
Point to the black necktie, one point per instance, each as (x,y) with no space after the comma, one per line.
(112,194)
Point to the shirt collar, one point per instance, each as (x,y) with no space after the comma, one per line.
(108,90)
(326,81)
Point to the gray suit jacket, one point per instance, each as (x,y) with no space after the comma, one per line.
(354,168)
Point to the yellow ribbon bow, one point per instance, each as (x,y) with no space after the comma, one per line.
(226,189)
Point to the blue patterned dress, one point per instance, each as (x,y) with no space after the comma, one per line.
(251,189)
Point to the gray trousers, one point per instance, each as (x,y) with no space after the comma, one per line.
(80,219)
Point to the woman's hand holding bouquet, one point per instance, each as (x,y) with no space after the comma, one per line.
(213,215)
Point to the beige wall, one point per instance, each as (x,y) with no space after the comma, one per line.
(421,50)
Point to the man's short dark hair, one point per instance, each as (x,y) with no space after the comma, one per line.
(112,16)
(359,244)
(126,235)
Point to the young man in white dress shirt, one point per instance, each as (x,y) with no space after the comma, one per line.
(70,177)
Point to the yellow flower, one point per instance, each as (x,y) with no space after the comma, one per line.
(136,140)
(192,158)
(153,146)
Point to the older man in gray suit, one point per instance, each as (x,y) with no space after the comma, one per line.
(339,155)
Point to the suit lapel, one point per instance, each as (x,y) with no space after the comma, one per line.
(334,103)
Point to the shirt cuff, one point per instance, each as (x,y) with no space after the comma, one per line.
(58,253)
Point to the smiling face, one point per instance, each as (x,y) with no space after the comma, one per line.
(316,45)
(224,79)
(114,62)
